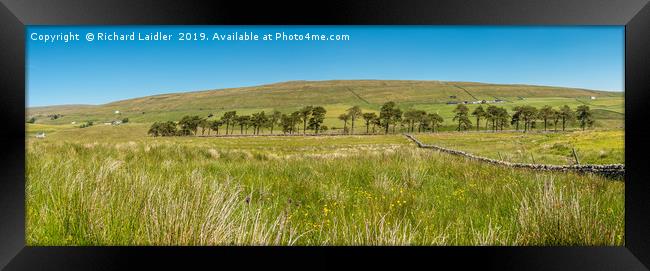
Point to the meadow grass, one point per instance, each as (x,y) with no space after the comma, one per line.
(115,186)
(591,146)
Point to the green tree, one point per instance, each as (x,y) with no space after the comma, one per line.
(345,118)
(478,112)
(189,125)
(354,113)
(555,116)
(258,120)
(546,113)
(567,115)
(31,120)
(435,119)
(502,117)
(529,115)
(386,114)
(214,125)
(461,111)
(317,118)
(229,119)
(584,116)
(154,130)
(305,112)
(516,117)
(396,117)
(274,119)
(368,118)
(286,123)
(204,124)
(125,120)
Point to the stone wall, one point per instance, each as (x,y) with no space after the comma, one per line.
(616,171)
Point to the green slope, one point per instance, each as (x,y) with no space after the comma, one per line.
(336,96)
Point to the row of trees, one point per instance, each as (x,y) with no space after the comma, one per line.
(390,116)
(527,115)
(309,117)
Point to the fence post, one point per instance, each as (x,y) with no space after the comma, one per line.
(575,155)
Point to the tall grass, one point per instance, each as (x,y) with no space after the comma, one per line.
(175,192)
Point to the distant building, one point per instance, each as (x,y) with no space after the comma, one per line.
(116,122)
(40,135)
(593,97)
(117,111)
(108,123)
(73,123)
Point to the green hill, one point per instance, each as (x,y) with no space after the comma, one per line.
(336,96)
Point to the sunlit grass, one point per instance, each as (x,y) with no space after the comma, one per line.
(592,146)
(101,188)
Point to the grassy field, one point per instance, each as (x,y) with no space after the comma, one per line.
(114,185)
(336,97)
(108,185)
(592,146)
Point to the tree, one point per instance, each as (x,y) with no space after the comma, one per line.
(566,114)
(545,114)
(354,113)
(461,112)
(583,114)
(435,120)
(274,119)
(396,117)
(516,117)
(154,130)
(31,120)
(163,129)
(214,125)
(295,118)
(555,116)
(203,123)
(386,114)
(243,122)
(317,118)
(189,125)
(502,117)
(478,113)
(368,118)
(345,118)
(412,116)
(229,119)
(304,115)
(286,123)
(258,120)
(528,115)
(125,120)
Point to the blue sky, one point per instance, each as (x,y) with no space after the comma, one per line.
(81,72)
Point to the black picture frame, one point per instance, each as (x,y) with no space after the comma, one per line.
(634,15)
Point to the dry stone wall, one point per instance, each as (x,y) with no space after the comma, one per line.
(616,171)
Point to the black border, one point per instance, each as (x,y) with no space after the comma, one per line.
(634,14)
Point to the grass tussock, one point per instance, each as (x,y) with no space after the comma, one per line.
(186,192)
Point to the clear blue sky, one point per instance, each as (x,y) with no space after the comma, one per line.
(81,72)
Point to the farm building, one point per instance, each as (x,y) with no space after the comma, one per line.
(593,97)
(117,111)
(40,135)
